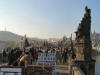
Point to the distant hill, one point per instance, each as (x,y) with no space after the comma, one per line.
(9,36)
(9,39)
(4,45)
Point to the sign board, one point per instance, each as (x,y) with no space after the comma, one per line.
(48,59)
(11,71)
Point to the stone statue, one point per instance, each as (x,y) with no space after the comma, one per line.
(83,30)
(83,46)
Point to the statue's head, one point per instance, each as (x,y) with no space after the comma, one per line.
(87,10)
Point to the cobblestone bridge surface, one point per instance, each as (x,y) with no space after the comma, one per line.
(62,70)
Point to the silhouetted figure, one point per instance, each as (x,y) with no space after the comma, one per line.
(4,55)
(13,56)
(35,56)
(64,56)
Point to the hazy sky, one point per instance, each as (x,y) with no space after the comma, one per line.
(46,18)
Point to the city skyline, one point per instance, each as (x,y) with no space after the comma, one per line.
(46,18)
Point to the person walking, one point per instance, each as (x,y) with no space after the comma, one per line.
(4,55)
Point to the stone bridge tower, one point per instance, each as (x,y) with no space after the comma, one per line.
(83,45)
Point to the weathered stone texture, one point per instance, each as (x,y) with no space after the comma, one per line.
(83,41)
(83,61)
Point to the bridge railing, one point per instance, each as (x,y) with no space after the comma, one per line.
(75,70)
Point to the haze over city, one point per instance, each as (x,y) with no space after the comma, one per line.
(46,18)
(49,37)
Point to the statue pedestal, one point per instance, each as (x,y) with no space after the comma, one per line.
(83,68)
